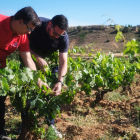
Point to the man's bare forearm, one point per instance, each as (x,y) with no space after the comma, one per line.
(31,65)
(62,72)
(27,60)
(62,66)
(35,54)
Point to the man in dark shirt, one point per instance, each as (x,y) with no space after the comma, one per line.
(50,37)
(46,39)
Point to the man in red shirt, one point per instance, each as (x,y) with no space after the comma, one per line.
(13,35)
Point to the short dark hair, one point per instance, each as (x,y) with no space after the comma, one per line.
(27,14)
(61,21)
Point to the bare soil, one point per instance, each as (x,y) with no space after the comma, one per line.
(101,40)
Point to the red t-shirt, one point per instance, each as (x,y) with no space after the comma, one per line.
(9,43)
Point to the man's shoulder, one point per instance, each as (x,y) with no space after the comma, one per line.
(23,38)
(2,17)
(65,38)
(43,19)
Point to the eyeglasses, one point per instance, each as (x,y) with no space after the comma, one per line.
(54,33)
(29,29)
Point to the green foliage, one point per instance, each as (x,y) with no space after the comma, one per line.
(81,36)
(51,135)
(103,72)
(125,30)
(119,33)
(139,30)
(132,47)
(20,85)
(75,50)
(14,56)
(79,28)
(41,131)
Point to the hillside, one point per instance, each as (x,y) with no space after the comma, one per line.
(101,39)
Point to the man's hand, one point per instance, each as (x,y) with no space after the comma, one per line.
(57,89)
(40,83)
(41,63)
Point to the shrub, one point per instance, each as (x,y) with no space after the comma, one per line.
(82,36)
(125,30)
(139,30)
(79,28)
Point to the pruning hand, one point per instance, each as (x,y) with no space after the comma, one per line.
(41,63)
(40,83)
(57,89)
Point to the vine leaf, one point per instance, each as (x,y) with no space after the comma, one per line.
(29,73)
(5,84)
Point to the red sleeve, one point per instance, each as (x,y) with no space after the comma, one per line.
(24,44)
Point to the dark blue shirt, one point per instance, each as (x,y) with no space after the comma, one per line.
(40,40)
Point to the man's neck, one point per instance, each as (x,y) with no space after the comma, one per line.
(47,29)
(12,25)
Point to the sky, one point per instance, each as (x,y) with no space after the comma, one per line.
(80,12)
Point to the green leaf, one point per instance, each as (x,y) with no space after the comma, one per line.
(20,83)
(69,78)
(36,76)
(89,79)
(8,70)
(10,77)
(94,61)
(48,91)
(34,58)
(13,89)
(29,73)
(99,81)
(86,87)
(5,84)
(23,77)
(138,65)
(32,103)
(78,75)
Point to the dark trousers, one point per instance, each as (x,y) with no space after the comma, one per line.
(49,122)
(2,113)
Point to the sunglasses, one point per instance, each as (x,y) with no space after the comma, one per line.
(29,29)
(54,33)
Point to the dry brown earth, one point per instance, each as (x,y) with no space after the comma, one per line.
(103,40)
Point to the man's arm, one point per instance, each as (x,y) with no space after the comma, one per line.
(62,65)
(61,72)
(27,60)
(40,61)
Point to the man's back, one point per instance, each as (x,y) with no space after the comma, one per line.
(40,40)
(2,17)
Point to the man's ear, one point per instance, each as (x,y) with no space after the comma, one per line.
(49,23)
(21,22)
